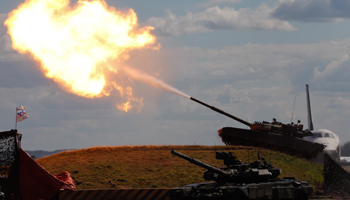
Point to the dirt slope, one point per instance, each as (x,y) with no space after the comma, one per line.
(156,167)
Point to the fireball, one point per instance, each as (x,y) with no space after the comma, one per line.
(75,46)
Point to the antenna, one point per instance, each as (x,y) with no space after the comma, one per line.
(291,120)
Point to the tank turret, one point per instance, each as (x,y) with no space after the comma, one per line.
(234,171)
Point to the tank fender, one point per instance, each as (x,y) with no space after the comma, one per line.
(237,192)
(260,191)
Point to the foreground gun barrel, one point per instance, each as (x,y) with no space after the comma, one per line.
(200,163)
(222,112)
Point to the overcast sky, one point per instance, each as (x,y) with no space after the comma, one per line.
(250,58)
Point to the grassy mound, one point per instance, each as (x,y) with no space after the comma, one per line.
(156,167)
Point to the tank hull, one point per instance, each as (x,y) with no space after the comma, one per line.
(278,189)
(276,142)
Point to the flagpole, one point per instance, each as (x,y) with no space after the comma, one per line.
(16,119)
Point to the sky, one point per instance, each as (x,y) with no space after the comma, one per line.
(249,58)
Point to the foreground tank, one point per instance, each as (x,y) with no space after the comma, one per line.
(286,138)
(256,180)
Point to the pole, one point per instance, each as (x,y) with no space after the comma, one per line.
(291,120)
(16,119)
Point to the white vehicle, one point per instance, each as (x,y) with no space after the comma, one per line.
(322,136)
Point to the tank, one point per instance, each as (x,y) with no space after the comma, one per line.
(255,180)
(276,136)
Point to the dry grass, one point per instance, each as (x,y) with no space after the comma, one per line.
(156,167)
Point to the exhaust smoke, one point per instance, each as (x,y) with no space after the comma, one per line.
(150,80)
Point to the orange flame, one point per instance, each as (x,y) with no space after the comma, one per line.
(76,46)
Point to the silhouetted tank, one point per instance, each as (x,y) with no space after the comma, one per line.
(256,180)
(286,138)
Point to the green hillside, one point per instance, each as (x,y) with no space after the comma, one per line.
(156,167)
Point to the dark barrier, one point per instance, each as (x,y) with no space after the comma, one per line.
(336,179)
(10,144)
(116,194)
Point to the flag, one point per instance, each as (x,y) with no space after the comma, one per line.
(21,114)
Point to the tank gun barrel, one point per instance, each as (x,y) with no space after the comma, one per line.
(200,163)
(221,112)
